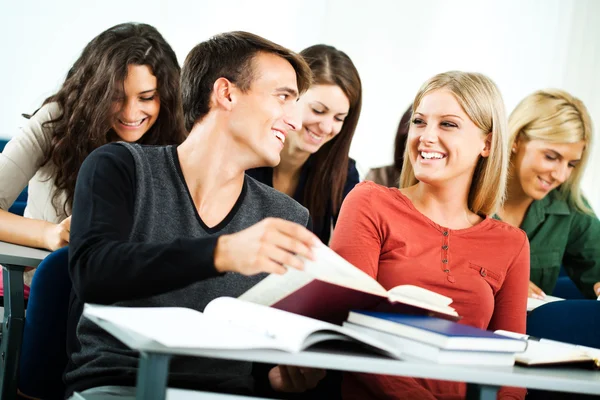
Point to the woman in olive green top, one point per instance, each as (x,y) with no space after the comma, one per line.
(550,141)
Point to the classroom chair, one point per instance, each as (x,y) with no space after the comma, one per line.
(571,321)
(566,289)
(18,206)
(39,356)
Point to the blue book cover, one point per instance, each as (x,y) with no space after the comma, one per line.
(440,332)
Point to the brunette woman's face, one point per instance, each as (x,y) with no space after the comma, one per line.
(324,108)
(136,109)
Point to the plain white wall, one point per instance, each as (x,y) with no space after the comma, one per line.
(523,45)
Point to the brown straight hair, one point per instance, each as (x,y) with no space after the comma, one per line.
(329,170)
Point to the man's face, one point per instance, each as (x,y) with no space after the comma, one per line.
(263,114)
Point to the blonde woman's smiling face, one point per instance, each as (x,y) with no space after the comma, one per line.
(542,166)
(444,144)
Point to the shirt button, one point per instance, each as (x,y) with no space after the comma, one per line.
(445,247)
(445,261)
(445,233)
(446,270)
(482,272)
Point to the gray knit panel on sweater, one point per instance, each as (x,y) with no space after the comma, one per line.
(163,212)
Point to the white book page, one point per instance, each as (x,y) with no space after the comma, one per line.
(540,352)
(276,287)
(290,330)
(329,266)
(546,351)
(535,303)
(420,294)
(172,327)
(293,332)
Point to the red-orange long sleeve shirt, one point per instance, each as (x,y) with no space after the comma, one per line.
(484,269)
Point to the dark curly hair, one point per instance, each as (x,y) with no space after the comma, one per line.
(328,174)
(86,97)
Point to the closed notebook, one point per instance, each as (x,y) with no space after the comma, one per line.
(439,332)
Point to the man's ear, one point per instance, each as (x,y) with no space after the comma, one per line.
(488,146)
(222,93)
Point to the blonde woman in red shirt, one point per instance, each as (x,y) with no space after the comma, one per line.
(436,231)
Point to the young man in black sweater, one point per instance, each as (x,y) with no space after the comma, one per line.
(182,225)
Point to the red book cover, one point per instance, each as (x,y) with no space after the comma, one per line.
(329,287)
(332,303)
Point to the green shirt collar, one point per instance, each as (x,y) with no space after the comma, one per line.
(551,204)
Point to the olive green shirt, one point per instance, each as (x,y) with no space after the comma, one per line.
(560,234)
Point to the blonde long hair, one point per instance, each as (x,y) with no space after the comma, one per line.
(481,100)
(555,116)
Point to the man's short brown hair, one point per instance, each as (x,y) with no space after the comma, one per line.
(229,55)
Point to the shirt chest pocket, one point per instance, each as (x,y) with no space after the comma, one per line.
(492,278)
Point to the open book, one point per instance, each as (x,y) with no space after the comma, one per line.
(226,324)
(545,352)
(330,286)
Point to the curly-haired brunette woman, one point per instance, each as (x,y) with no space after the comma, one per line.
(124,86)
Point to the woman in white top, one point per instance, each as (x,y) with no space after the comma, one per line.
(124,86)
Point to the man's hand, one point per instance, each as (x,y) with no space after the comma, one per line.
(597,289)
(265,247)
(284,378)
(535,292)
(57,235)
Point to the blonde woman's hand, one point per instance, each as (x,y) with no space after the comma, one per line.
(57,235)
(597,289)
(535,292)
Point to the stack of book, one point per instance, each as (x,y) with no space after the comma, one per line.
(437,340)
